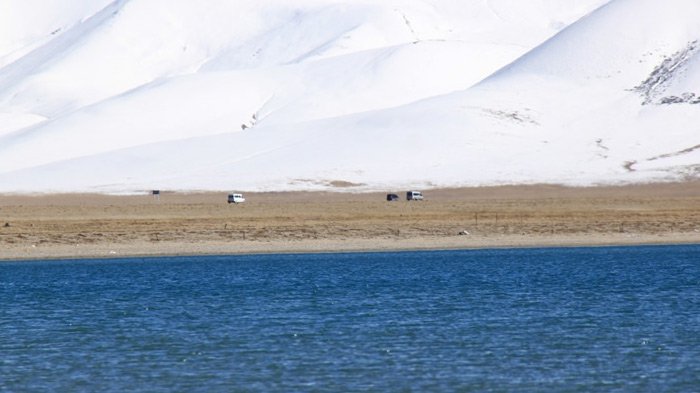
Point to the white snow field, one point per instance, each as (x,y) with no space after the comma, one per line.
(354,95)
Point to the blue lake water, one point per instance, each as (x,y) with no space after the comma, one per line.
(560,319)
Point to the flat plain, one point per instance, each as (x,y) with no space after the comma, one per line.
(91,225)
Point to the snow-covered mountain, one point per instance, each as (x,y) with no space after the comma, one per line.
(127,95)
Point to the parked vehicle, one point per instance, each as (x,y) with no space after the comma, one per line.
(235,198)
(392,197)
(414,196)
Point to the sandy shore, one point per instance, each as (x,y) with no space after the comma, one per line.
(83,225)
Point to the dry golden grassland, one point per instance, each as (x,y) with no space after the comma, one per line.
(47,226)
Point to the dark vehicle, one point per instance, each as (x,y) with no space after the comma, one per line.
(392,197)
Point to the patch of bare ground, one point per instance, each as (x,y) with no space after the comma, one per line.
(47,226)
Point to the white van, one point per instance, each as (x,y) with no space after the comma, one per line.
(235,198)
(414,196)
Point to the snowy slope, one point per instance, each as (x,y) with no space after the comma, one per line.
(146,94)
(606,86)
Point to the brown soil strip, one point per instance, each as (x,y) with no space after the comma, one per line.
(80,225)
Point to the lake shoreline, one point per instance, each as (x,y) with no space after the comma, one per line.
(176,252)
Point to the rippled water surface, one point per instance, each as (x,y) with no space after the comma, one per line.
(580,319)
